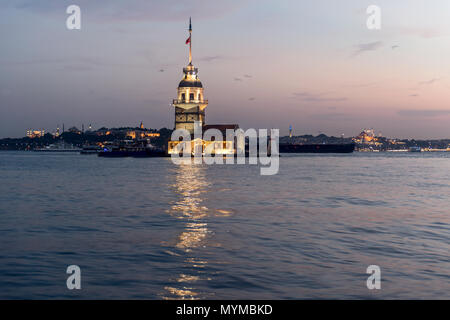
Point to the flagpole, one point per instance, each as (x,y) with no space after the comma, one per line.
(190,42)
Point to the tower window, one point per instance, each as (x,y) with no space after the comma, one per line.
(199,96)
(183,96)
(191,96)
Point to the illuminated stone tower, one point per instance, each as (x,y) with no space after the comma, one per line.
(190,105)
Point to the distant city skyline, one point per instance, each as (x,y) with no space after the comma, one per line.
(264,64)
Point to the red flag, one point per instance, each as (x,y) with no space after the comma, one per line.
(188,40)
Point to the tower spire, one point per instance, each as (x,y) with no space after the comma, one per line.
(190,40)
(190,103)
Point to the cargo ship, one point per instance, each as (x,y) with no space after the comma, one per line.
(317,148)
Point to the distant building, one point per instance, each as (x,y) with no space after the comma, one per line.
(367,140)
(141,134)
(366,136)
(35,133)
(74,130)
(57,133)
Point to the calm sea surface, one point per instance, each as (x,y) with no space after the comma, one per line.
(146,228)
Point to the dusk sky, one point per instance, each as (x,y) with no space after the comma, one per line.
(264,64)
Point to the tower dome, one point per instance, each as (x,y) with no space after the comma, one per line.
(190,78)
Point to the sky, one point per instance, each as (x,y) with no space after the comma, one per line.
(264,64)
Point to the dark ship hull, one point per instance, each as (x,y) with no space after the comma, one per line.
(317,148)
(133,153)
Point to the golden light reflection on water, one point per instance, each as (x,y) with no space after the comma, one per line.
(190,190)
(193,237)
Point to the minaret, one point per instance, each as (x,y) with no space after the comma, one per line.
(190,104)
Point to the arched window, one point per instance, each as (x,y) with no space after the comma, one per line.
(191,96)
(183,96)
